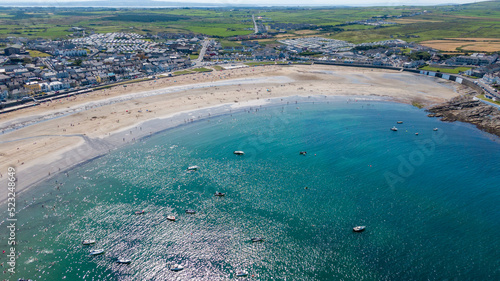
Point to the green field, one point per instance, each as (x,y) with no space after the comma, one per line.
(202,69)
(34,54)
(477,20)
(182,72)
(487,99)
(455,70)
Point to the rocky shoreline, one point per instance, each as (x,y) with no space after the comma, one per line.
(467,109)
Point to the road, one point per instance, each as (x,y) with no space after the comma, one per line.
(255,25)
(203,50)
(47,63)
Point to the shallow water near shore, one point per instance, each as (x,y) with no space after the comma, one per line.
(429,202)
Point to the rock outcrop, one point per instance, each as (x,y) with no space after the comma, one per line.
(467,109)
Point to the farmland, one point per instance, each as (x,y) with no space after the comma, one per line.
(449,28)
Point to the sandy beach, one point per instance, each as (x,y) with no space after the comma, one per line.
(55,136)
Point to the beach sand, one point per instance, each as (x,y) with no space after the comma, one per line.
(55,136)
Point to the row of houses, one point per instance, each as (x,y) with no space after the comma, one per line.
(73,66)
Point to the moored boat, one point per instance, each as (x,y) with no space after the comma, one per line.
(171,218)
(358,228)
(400,122)
(394,128)
(241,274)
(435,129)
(239,152)
(257,239)
(96,252)
(88,242)
(176,267)
(140,212)
(123,261)
(220,194)
(192,168)
(189,211)
(303,152)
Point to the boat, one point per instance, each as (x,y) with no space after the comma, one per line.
(359,228)
(400,122)
(394,128)
(176,267)
(239,152)
(416,134)
(189,211)
(171,218)
(303,152)
(220,194)
(140,212)
(96,252)
(257,239)
(241,273)
(123,261)
(435,129)
(192,168)
(88,242)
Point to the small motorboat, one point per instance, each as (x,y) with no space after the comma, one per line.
(88,242)
(416,134)
(394,129)
(189,211)
(171,218)
(241,273)
(359,228)
(140,212)
(123,261)
(435,129)
(239,152)
(257,239)
(303,152)
(220,194)
(192,168)
(176,267)
(96,252)
(400,122)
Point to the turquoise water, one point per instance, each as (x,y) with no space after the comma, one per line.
(430,202)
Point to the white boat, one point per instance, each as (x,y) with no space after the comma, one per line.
(189,211)
(394,128)
(239,152)
(123,261)
(359,228)
(435,129)
(171,218)
(400,122)
(140,212)
(241,274)
(96,252)
(176,267)
(303,152)
(257,239)
(416,134)
(192,168)
(220,194)
(88,242)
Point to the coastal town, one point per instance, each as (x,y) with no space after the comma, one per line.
(161,140)
(34,68)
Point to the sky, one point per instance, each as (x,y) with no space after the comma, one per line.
(276,2)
